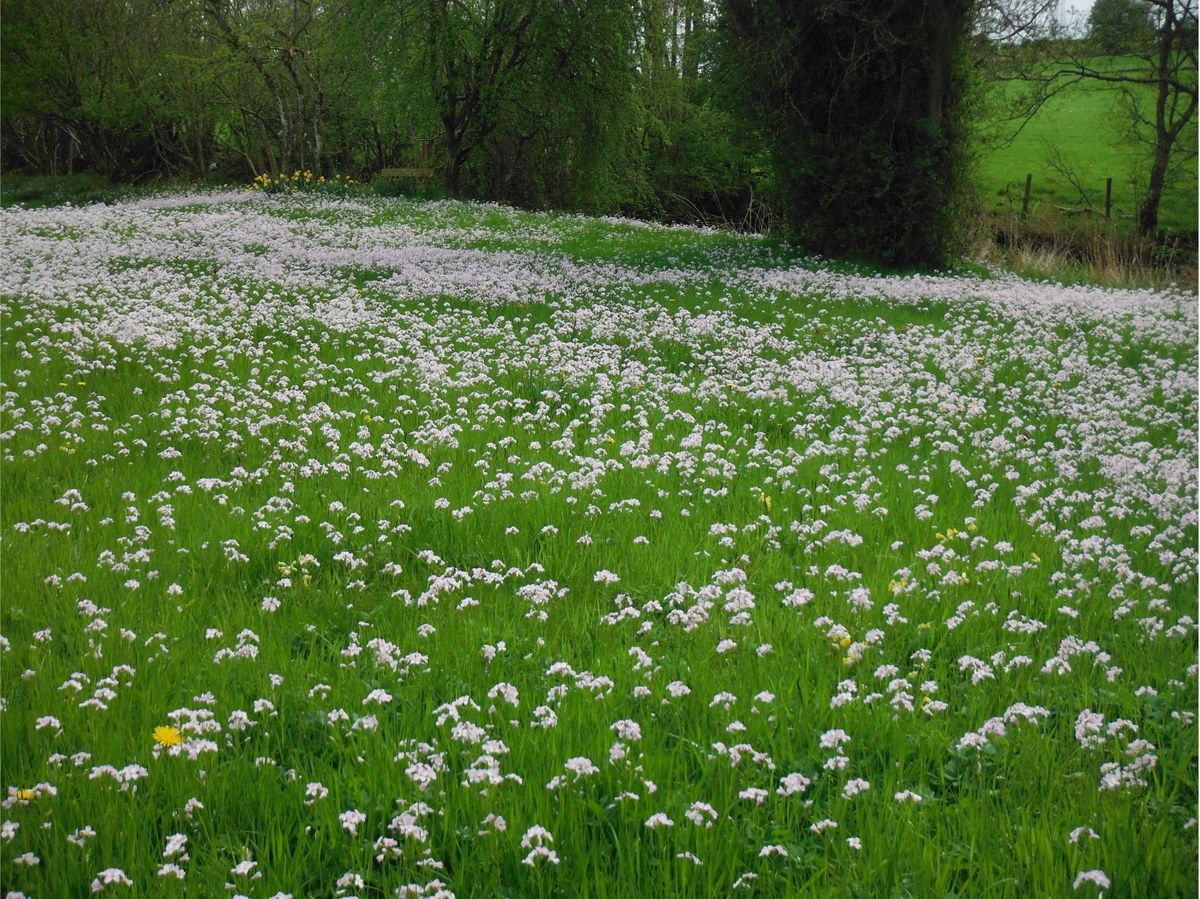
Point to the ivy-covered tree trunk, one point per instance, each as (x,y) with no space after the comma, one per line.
(861,104)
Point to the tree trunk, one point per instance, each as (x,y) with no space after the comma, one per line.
(1167,124)
(691,30)
(674,33)
(453,162)
(1148,214)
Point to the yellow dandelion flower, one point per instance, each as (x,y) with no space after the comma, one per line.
(167,736)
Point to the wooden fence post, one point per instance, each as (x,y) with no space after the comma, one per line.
(1025,199)
(1108,199)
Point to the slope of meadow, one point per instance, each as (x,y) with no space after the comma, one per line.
(370,548)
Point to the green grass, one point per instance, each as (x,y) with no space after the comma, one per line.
(731,405)
(1087,124)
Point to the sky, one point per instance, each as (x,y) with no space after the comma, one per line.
(1074,13)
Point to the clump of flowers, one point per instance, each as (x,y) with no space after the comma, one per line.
(301,182)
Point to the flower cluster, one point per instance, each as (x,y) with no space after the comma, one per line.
(302,182)
(360,547)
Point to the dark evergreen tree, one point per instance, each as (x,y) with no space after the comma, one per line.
(861,104)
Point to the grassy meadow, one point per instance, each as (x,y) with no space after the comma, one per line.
(365,547)
(1086,126)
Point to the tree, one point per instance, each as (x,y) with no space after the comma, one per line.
(387,112)
(597,105)
(691,159)
(96,86)
(532,95)
(861,103)
(279,69)
(1171,70)
(1119,26)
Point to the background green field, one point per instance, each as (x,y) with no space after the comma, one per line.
(1088,123)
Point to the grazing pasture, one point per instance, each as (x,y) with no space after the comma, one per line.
(1085,132)
(358,547)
